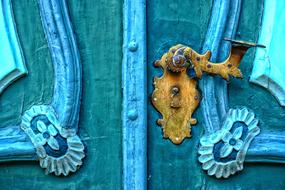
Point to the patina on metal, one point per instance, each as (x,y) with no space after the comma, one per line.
(176,95)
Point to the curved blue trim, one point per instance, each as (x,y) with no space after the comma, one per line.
(230,31)
(14,143)
(208,84)
(267,147)
(66,61)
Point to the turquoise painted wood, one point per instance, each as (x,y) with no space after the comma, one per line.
(12,65)
(82,113)
(269,62)
(171,166)
(50,43)
(134,114)
(176,167)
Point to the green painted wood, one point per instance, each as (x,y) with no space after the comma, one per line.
(176,167)
(268,72)
(37,86)
(10,49)
(173,166)
(251,95)
(97,26)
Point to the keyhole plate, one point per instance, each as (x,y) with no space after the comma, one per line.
(176,97)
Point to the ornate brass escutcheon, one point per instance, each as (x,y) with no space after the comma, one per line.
(176,95)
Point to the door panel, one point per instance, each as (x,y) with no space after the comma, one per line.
(40,72)
(114,136)
(100,115)
(176,166)
(173,166)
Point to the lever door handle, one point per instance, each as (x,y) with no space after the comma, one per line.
(175,93)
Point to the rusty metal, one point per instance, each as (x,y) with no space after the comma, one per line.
(176,95)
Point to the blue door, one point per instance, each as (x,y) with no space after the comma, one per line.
(139,94)
(237,142)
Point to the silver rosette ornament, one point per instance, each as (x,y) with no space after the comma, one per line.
(60,151)
(222,153)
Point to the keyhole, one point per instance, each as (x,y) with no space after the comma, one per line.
(175,102)
(175,91)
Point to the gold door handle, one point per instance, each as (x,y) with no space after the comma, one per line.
(176,95)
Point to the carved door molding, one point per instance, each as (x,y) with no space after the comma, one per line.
(10,49)
(232,136)
(48,133)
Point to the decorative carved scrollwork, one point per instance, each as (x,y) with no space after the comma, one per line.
(223,153)
(49,132)
(59,150)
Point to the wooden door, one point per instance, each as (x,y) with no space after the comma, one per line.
(76,85)
(72,52)
(202,25)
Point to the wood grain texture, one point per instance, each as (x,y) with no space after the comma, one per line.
(173,22)
(12,65)
(176,167)
(134,113)
(97,26)
(268,65)
(37,87)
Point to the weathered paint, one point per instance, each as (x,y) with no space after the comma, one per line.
(214,104)
(52,128)
(172,167)
(101,131)
(173,22)
(269,145)
(12,58)
(26,92)
(134,96)
(223,152)
(66,61)
(269,63)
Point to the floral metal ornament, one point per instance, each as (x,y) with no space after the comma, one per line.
(60,151)
(223,153)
